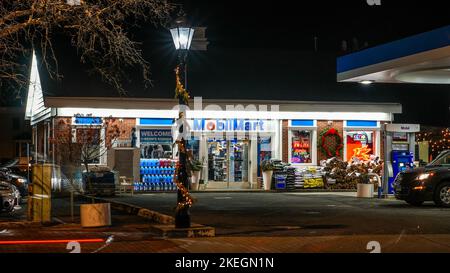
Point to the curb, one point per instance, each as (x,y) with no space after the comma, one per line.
(135,210)
(252,191)
(194,231)
(24,224)
(165,224)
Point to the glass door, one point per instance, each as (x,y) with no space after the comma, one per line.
(228,162)
(217,160)
(238,158)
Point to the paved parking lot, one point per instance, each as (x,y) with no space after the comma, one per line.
(306,214)
(255,223)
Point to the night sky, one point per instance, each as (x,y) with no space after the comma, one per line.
(253,27)
(294,24)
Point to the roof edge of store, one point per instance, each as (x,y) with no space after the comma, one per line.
(434,39)
(164,104)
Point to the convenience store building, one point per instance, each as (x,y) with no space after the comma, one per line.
(231,143)
(248,112)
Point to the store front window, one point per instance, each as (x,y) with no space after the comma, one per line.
(156,143)
(264,151)
(193,146)
(301,146)
(91,143)
(360,144)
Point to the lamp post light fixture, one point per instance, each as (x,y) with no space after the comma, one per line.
(182,35)
(182,38)
(366,82)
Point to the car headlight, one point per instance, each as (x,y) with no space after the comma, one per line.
(424,176)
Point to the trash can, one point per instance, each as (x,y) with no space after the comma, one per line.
(365,190)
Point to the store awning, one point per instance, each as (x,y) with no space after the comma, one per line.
(423,58)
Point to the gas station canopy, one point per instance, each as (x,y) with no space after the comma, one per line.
(423,58)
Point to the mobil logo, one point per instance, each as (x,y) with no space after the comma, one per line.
(360,137)
(210,125)
(221,125)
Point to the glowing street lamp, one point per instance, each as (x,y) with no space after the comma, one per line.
(182,38)
(181,34)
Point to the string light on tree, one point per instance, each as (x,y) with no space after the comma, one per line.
(438,139)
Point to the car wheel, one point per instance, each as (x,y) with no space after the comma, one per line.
(416,203)
(442,195)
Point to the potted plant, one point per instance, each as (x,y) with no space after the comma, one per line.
(267,171)
(365,187)
(196,168)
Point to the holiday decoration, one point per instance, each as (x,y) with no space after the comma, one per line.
(180,91)
(187,199)
(362,153)
(331,133)
(438,139)
(183,169)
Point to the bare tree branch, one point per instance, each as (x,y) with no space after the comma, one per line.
(97,29)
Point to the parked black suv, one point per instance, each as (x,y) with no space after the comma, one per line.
(430,183)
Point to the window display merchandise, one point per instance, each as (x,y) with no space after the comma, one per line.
(156,175)
(156,151)
(301,147)
(360,145)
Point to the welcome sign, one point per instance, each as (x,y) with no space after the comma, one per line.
(159,136)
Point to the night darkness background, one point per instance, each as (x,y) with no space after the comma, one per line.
(292,25)
(266,50)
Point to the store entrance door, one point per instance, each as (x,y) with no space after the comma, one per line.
(228,164)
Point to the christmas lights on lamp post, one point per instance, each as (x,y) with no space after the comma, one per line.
(182,38)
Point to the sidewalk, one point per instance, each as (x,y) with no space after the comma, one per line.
(128,233)
(142,242)
(318,244)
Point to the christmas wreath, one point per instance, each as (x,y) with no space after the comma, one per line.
(331,133)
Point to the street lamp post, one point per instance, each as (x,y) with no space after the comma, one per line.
(182,38)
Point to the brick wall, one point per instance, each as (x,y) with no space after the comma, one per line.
(125,125)
(322,125)
(64,153)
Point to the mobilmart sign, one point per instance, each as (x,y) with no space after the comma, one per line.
(231,125)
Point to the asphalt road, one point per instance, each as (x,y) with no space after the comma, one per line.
(250,223)
(302,214)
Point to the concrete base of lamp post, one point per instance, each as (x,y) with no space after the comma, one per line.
(194,231)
